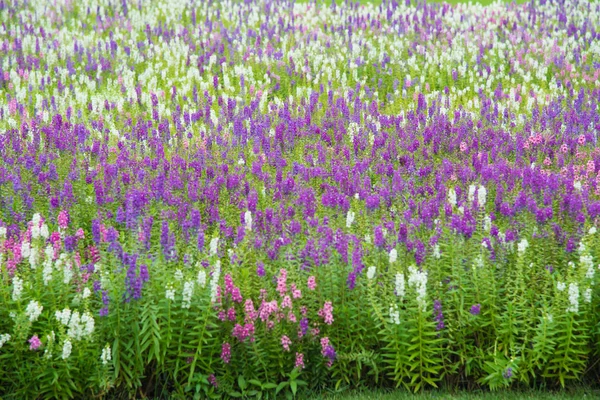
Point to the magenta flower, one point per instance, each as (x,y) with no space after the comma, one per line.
(299,361)
(226,353)
(327,312)
(34,342)
(286,342)
(312,283)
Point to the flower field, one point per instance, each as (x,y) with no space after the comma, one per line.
(261,199)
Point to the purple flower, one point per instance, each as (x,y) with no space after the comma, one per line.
(260,269)
(475,309)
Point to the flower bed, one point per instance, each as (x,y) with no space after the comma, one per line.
(264,198)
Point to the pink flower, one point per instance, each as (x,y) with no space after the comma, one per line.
(281,282)
(312,283)
(286,342)
(231,314)
(581,139)
(299,361)
(226,353)
(463,146)
(327,312)
(80,234)
(63,219)
(34,342)
(287,302)
(296,293)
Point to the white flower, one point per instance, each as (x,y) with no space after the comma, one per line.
(400,285)
(201,278)
(478,262)
(2,231)
(87,324)
(349,218)
(214,282)
(587,262)
(394,314)
(214,242)
(33,310)
(248,220)
(86,293)
(592,230)
(452,197)
(178,274)
(522,246)
(106,355)
(66,350)
(44,231)
(587,295)
(471,195)
(393,255)
(67,274)
(356,196)
(5,337)
(17,288)
(418,280)
(170,293)
(35,231)
(436,252)
(63,316)
(481,195)
(573,298)
(371,272)
(188,291)
(25,249)
(577,186)
(561,286)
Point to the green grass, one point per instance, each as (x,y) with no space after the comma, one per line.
(582,393)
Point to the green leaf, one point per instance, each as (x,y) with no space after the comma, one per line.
(281,386)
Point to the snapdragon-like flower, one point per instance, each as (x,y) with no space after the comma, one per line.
(561,286)
(393,256)
(201,279)
(394,314)
(214,282)
(66,350)
(522,246)
(188,291)
(226,353)
(573,298)
(418,280)
(452,197)
(34,342)
(17,288)
(286,342)
(33,310)
(170,293)
(312,283)
(587,262)
(327,312)
(299,364)
(106,355)
(214,243)
(587,295)
(400,285)
(248,220)
(371,272)
(349,218)
(5,337)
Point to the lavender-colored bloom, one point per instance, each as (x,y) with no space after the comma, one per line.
(260,269)
(475,309)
